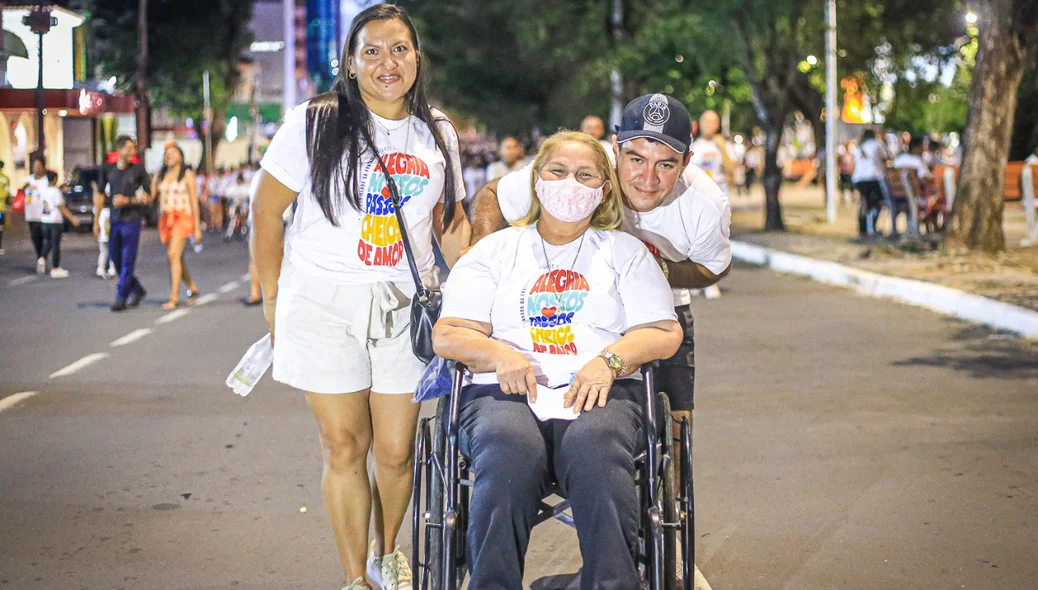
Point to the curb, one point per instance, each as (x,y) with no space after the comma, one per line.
(939,298)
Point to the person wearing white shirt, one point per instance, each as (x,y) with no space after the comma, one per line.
(670,205)
(561,309)
(1033,158)
(38,180)
(593,126)
(511,153)
(710,151)
(913,160)
(869,162)
(337,294)
(52,219)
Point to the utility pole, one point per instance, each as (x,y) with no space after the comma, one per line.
(143,106)
(832,113)
(40,21)
(207,124)
(616,82)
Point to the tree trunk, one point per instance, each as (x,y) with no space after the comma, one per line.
(976,221)
(772,181)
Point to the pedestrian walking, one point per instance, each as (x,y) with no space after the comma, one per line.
(338,308)
(5,198)
(869,164)
(180,220)
(34,208)
(125,187)
(52,221)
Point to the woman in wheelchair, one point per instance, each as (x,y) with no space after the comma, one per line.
(553,317)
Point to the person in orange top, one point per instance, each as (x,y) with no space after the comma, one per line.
(180,220)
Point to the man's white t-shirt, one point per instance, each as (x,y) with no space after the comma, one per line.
(33,202)
(560,319)
(366,246)
(868,161)
(706,154)
(912,162)
(51,199)
(692,223)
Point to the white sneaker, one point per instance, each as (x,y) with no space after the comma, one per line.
(391,572)
(357,584)
(712,292)
(58,273)
(99,273)
(41,265)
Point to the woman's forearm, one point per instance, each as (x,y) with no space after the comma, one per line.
(652,342)
(267,245)
(476,350)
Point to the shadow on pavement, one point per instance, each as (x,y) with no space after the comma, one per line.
(987,354)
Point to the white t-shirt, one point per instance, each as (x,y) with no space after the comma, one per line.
(1032,159)
(559,319)
(51,199)
(868,161)
(913,162)
(693,222)
(706,154)
(33,202)
(366,246)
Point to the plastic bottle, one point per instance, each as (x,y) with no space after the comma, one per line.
(252,367)
(198,247)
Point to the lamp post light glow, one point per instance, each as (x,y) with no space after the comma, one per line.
(971,18)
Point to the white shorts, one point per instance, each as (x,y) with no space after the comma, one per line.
(333,339)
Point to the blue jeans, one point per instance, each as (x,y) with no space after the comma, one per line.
(123,241)
(515,458)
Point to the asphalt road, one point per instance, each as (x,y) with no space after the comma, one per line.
(841,442)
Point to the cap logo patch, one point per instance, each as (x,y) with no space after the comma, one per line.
(656,113)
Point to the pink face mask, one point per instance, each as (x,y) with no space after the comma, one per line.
(567,200)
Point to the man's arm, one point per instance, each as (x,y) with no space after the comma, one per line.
(692,275)
(486,213)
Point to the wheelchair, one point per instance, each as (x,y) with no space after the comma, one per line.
(443,484)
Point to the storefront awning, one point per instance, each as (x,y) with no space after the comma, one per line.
(78,102)
(13,46)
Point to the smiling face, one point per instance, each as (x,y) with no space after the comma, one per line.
(385,62)
(127,151)
(172,158)
(647,171)
(574,159)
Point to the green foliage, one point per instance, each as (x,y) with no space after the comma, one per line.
(185,38)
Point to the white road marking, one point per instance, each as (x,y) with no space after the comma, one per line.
(21,281)
(13,399)
(80,364)
(245,277)
(173,315)
(228,287)
(700,581)
(131,337)
(204,299)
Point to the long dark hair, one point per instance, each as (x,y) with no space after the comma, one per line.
(337,122)
(165,169)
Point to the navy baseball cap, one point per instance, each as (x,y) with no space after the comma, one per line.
(658,117)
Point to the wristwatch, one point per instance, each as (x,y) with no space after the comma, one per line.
(614,362)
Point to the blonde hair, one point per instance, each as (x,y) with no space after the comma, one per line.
(610,213)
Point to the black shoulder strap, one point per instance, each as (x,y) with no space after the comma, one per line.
(394,195)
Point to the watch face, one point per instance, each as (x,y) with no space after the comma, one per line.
(615,363)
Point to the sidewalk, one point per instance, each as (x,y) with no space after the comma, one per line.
(1010,278)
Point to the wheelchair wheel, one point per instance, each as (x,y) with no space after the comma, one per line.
(687,508)
(427,502)
(669,498)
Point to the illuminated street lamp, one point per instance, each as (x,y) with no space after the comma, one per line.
(971,18)
(40,21)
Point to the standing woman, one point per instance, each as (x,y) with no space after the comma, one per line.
(338,303)
(180,220)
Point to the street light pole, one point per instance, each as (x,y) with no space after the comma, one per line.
(143,106)
(40,21)
(832,114)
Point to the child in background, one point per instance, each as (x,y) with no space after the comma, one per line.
(53,220)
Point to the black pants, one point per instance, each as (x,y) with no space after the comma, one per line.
(677,375)
(516,457)
(2,221)
(36,235)
(52,242)
(871,203)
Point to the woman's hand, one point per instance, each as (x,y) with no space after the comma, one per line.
(269,306)
(515,373)
(198,235)
(590,386)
